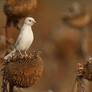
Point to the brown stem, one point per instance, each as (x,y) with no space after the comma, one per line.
(84,43)
(10,87)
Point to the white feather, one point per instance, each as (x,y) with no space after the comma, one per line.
(25,38)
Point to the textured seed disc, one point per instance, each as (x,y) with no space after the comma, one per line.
(23,71)
(88,71)
(85,71)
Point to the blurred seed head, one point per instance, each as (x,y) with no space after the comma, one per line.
(76,16)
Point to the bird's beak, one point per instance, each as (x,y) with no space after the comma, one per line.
(34,21)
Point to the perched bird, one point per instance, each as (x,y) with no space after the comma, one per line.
(16,10)
(25,38)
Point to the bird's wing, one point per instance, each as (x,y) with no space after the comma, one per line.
(19,38)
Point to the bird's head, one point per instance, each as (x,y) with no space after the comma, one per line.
(29,21)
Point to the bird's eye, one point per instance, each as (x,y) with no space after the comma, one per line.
(29,20)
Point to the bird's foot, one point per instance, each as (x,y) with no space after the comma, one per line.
(21,54)
(26,55)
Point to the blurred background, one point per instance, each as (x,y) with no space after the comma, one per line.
(62,45)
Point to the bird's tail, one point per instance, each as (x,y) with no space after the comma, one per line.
(12,53)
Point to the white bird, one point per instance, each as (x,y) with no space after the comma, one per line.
(25,38)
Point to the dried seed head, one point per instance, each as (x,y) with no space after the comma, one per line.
(88,70)
(24,71)
(85,71)
(80,70)
(76,16)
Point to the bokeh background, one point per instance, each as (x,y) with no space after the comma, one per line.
(59,43)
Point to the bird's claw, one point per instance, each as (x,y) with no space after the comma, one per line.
(26,55)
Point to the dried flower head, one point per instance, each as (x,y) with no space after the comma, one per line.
(23,71)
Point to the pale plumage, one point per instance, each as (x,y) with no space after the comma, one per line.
(25,38)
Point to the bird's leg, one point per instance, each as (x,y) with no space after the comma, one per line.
(26,54)
(20,53)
